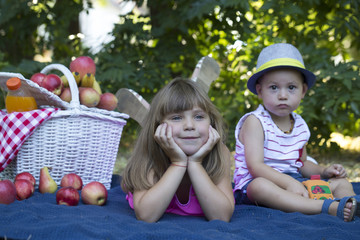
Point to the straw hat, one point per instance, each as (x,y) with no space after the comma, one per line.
(279,55)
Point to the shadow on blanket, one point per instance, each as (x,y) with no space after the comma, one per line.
(40,218)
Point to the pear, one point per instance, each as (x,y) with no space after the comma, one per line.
(97,87)
(65,81)
(46,183)
(77,77)
(87,80)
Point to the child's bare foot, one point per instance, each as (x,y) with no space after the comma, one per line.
(348,211)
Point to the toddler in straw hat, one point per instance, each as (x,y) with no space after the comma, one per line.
(270,159)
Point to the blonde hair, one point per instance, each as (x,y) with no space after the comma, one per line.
(148,157)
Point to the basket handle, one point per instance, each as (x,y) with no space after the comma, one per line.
(74,103)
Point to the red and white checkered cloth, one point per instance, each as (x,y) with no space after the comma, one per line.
(15,128)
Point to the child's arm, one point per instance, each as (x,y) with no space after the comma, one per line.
(335,170)
(150,205)
(252,137)
(216,200)
(309,168)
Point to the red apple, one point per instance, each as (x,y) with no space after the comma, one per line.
(38,78)
(53,83)
(108,101)
(27,176)
(24,189)
(83,65)
(94,193)
(89,97)
(66,95)
(67,196)
(7,192)
(72,180)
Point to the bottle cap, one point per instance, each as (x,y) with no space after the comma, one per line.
(13,83)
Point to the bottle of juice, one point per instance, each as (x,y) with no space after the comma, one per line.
(18,98)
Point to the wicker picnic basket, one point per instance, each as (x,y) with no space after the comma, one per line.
(76,139)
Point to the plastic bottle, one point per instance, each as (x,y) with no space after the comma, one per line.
(18,98)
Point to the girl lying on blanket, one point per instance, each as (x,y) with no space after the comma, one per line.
(270,159)
(180,163)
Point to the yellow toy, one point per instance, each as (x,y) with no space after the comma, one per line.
(317,188)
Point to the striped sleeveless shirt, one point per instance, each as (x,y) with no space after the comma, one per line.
(282,151)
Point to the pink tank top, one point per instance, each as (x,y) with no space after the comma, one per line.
(191,208)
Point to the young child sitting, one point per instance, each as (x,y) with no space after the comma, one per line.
(270,159)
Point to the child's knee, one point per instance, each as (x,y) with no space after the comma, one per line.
(339,183)
(258,187)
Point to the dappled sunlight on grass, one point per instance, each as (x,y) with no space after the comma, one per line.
(349,157)
(346,142)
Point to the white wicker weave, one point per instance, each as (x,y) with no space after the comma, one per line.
(77,139)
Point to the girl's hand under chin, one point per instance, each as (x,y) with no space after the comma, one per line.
(163,136)
(207,147)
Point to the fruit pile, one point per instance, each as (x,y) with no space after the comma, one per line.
(93,193)
(83,69)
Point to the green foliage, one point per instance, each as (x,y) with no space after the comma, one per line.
(149,50)
(30,29)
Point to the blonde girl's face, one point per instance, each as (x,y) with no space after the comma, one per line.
(190,129)
(281,91)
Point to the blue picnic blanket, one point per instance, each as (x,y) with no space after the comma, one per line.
(40,218)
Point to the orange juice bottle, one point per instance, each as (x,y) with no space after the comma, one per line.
(18,99)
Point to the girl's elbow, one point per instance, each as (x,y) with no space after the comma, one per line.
(148,220)
(224,217)
(228,216)
(145,217)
